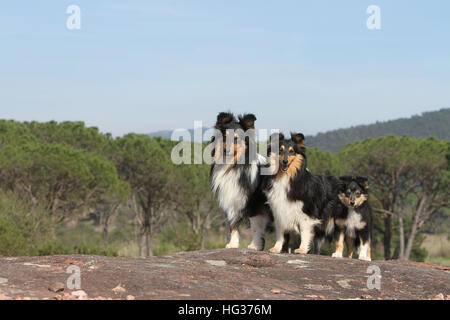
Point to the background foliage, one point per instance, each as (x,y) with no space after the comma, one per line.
(66,188)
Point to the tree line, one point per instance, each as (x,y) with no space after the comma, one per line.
(55,173)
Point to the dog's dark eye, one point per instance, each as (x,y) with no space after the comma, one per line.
(358,194)
(291,151)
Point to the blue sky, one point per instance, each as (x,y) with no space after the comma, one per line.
(143,66)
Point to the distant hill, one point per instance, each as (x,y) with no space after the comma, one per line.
(428,124)
(167,134)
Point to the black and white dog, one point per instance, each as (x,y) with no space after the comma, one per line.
(236,177)
(300,200)
(355,223)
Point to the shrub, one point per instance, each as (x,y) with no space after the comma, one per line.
(23,227)
(12,242)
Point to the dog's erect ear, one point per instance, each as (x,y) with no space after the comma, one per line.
(299,139)
(247,121)
(224,118)
(363,182)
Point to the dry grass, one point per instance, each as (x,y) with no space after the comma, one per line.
(438,247)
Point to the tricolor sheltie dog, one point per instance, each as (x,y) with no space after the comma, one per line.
(354,224)
(300,200)
(236,177)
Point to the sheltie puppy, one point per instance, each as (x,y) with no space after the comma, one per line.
(235,177)
(300,200)
(355,223)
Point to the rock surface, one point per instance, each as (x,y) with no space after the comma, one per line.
(219,274)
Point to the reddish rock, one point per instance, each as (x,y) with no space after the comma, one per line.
(439,296)
(119,289)
(246,274)
(79,294)
(276,291)
(56,287)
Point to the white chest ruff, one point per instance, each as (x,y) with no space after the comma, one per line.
(288,215)
(230,195)
(352,223)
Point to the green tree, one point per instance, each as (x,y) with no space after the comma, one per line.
(402,169)
(196,200)
(65,180)
(143,163)
(321,162)
(75,134)
(431,185)
(24,227)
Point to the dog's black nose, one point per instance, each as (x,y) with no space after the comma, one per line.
(285,162)
(352,203)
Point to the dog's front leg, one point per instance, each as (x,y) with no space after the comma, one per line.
(350,247)
(279,240)
(258,226)
(234,238)
(364,252)
(307,235)
(338,253)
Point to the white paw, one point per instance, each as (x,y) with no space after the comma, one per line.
(253,246)
(301,251)
(232,246)
(337,255)
(275,250)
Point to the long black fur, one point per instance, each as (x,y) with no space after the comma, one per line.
(246,175)
(318,193)
(349,187)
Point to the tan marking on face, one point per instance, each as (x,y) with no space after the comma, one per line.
(345,200)
(359,201)
(282,148)
(236,150)
(239,150)
(294,164)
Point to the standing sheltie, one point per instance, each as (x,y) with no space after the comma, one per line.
(354,224)
(235,177)
(300,201)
